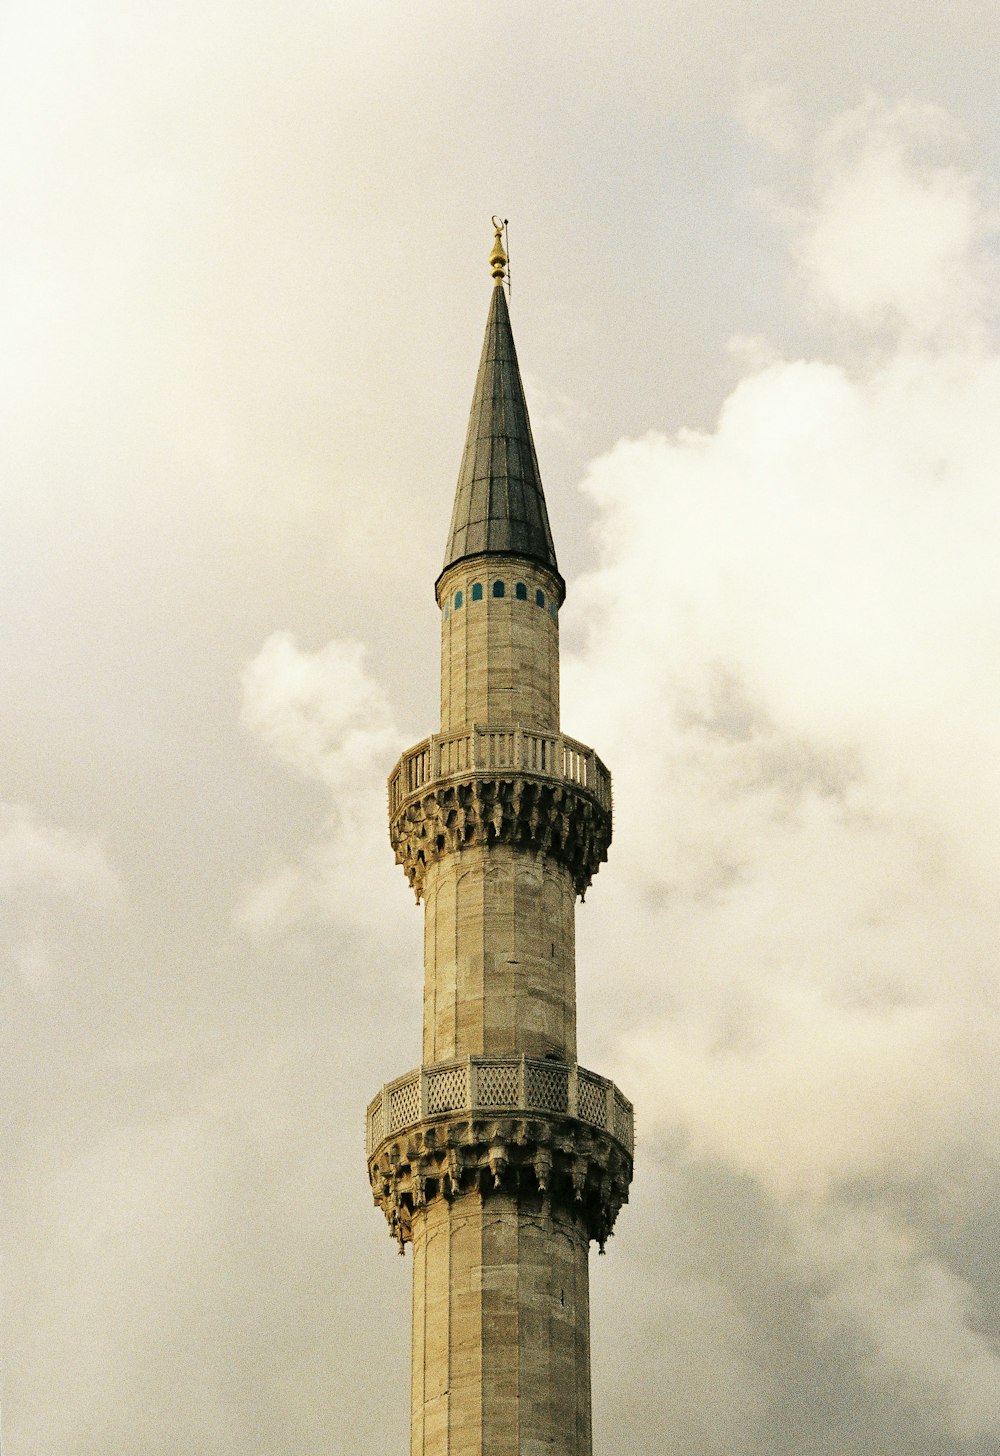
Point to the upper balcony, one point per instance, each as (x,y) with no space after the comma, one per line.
(540,792)
(491,748)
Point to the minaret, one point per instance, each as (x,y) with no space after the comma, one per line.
(499,1159)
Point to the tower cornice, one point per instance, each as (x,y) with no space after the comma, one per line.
(492,562)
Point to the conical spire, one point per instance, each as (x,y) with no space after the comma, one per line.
(499,503)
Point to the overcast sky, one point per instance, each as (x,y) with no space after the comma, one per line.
(243,286)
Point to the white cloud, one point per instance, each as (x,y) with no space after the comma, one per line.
(53,882)
(894,233)
(44,859)
(552,412)
(768,115)
(322,714)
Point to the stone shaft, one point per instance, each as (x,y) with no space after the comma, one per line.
(499,654)
(499,973)
(501,1330)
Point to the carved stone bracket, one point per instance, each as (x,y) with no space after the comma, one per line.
(539,1159)
(557,819)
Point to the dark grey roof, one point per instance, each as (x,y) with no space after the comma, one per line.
(499,504)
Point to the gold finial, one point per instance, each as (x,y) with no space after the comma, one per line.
(498,258)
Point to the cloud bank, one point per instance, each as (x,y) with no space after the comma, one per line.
(324,715)
(790,661)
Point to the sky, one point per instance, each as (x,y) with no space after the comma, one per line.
(243,286)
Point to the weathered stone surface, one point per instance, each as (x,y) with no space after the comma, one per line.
(499,654)
(498,950)
(535,814)
(501,1330)
(541,1161)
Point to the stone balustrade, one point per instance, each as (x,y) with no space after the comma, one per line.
(499,1084)
(491,748)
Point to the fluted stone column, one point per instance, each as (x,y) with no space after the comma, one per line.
(501,1330)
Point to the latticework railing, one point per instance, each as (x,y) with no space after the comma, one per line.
(482,1084)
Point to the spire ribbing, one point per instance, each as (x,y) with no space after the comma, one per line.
(499,503)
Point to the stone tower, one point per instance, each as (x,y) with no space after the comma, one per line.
(499,1159)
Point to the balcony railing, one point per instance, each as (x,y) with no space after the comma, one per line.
(494,1084)
(490,748)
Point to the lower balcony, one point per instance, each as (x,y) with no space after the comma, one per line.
(499,1084)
